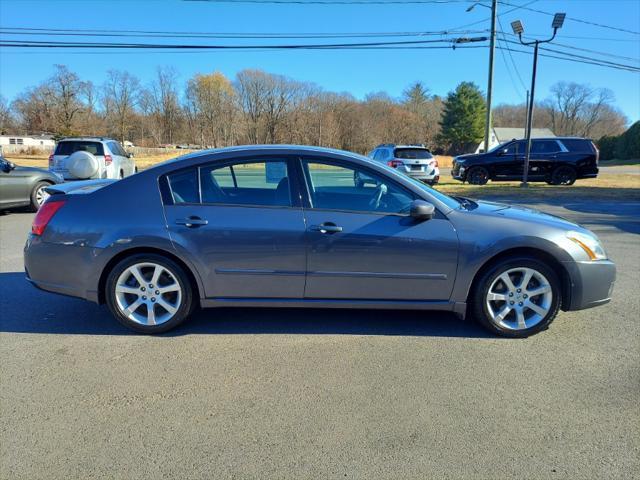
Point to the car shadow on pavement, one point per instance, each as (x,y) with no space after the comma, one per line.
(25,309)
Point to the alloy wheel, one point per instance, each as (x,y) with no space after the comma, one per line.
(519,298)
(148,293)
(41,195)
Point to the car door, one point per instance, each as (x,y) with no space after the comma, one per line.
(361,243)
(544,156)
(241,225)
(509,161)
(14,186)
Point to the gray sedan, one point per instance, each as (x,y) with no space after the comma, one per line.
(24,186)
(282,226)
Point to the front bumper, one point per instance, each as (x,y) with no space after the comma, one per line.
(591,283)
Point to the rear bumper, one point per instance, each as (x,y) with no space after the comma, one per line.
(591,283)
(63,269)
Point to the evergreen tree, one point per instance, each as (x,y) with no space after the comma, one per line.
(416,98)
(629,143)
(463,117)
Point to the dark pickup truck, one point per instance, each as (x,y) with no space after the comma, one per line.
(557,161)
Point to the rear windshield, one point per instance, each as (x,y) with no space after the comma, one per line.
(577,145)
(412,153)
(67,148)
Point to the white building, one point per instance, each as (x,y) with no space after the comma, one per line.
(504,134)
(38,141)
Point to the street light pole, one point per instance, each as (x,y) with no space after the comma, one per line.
(518,29)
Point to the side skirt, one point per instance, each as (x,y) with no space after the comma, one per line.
(459,308)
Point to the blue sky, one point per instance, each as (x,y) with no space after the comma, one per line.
(357,72)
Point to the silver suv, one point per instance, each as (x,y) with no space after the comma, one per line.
(91,157)
(415,161)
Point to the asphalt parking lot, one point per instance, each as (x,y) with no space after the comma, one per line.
(315,394)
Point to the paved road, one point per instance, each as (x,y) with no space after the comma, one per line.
(313,394)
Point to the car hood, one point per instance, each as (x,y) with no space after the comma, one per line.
(469,156)
(522,214)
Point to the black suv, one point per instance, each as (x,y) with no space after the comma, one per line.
(557,161)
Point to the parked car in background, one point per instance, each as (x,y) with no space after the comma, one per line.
(91,158)
(557,161)
(24,186)
(281,225)
(415,161)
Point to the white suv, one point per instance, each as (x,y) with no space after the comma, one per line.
(416,161)
(91,157)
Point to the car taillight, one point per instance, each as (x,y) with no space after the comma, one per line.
(44,215)
(435,163)
(107,160)
(394,163)
(51,160)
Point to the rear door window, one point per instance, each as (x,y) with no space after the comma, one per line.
(69,147)
(413,153)
(184,186)
(257,183)
(544,146)
(577,145)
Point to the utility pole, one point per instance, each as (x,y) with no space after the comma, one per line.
(492,47)
(518,29)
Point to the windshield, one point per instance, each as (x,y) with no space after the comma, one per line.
(412,153)
(499,147)
(446,199)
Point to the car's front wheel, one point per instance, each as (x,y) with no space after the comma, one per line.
(39,195)
(478,176)
(517,297)
(149,293)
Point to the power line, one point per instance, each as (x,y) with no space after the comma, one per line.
(586,22)
(579,59)
(515,67)
(52,44)
(165,34)
(334,2)
(574,47)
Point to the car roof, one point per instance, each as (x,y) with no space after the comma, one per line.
(91,139)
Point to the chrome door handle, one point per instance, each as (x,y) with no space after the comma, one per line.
(327,227)
(191,222)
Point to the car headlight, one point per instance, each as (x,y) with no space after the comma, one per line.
(59,177)
(590,244)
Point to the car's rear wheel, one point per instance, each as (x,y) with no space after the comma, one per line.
(517,297)
(563,175)
(39,195)
(478,176)
(149,293)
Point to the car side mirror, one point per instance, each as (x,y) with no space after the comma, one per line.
(8,166)
(130,155)
(421,210)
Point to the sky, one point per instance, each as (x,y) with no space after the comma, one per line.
(358,72)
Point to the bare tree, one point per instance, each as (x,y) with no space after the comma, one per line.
(121,93)
(164,96)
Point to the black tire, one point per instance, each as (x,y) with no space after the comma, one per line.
(185,308)
(478,176)
(35,198)
(563,175)
(478,297)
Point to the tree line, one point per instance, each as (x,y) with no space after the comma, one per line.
(211,110)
